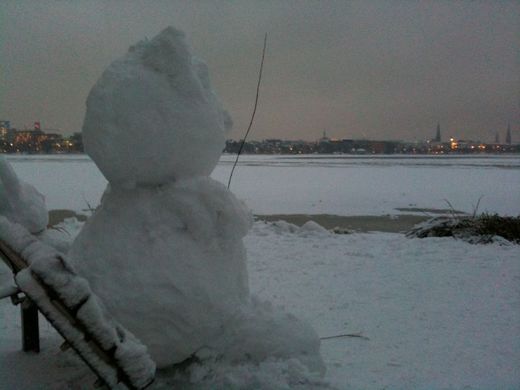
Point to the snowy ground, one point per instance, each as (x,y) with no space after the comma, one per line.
(315,184)
(436,313)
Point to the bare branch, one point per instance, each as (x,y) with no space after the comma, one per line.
(254,111)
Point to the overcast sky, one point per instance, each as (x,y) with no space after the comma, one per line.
(367,69)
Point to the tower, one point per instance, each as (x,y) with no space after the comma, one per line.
(438,134)
(508,134)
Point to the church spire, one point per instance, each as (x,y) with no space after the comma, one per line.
(438,134)
(508,134)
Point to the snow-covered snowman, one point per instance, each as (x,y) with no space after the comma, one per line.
(164,249)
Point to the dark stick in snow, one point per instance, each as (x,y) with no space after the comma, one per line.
(254,111)
(357,335)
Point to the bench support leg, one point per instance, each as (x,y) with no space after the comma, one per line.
(30,328)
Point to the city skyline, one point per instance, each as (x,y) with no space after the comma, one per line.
(376,70)
(436,135)
(36,140)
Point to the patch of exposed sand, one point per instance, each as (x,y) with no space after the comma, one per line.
(359,223)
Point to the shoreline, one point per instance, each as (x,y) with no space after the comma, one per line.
(358,223)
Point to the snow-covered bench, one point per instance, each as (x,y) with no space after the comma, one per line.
(66,300)
(29,312)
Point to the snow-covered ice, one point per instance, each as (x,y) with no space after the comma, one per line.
(374,185)
(315,184)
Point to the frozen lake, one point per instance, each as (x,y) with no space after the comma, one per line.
(315,184)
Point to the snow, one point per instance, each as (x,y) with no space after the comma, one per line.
(153,117)
(437,312)
(21,202)
(339,185)
(261,332)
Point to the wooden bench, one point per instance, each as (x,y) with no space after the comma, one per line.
(38,295)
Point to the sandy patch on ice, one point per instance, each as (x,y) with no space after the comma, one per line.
(358,223)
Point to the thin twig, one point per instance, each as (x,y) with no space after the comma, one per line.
(254,111)
(452,210)
(358,335)
(89,206)
(475,208)
(426,214)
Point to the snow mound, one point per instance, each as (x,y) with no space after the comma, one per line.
(312,228)
(309,228)
(60,236)
(47,267)
(260,332)
(211,373)
(153,116)
(20,202)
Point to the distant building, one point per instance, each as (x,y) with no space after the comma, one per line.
(75,143)
(52,143)
(324,138)
(28,141)
(5,127)
(36,140)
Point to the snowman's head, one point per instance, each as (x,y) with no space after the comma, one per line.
(153,117)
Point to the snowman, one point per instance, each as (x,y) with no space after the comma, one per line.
(164,249)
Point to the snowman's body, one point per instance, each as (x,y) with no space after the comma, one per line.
(164,250)
(168,262)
